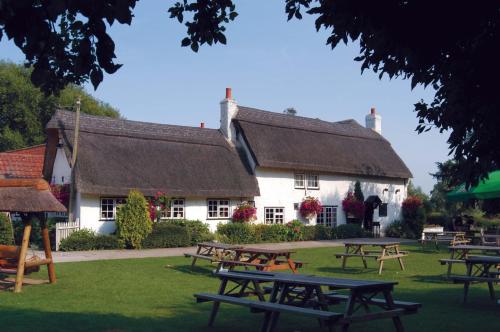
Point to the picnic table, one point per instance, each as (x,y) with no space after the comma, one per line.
(262,259)
(213,252)
(436,235)
(304,295)
(479,269)
(388,250)
(460,252)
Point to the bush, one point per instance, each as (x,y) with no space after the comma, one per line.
(108,242)
(132,220)
(413,217)
(236,233)
(347,231)
(394,229)
(198,231)
(309,233)
(83,239)
(167,235)
(322,232)
(86,239)
(276,233)
(6,230)
(438,218)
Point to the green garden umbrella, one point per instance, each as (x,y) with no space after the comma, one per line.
(485,189)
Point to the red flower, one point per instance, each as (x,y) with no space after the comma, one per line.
(244,213)
(310,206)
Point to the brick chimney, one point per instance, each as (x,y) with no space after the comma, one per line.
(228,110)
(374,121)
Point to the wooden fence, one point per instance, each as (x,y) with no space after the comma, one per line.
(64,229)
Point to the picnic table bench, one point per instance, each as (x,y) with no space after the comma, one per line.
(262,259)
(389,250)
(459,254)
(437,235)
(303,295)
(212,251)
(478,271)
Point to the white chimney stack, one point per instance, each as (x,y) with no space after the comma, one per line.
(228,110)
(374,121)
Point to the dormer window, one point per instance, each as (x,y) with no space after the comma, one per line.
(312,181)
(306,181)
(299,180)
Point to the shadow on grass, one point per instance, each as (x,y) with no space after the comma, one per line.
(347,270)
(196,270)
(435,279)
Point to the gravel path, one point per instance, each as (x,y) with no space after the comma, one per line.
(81,256)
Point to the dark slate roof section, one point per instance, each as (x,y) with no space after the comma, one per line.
(298,143)
(116,155)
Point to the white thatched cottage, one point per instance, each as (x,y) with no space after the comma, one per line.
(272,159)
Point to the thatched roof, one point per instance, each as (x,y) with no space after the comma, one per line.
(293,142)
(116,155)
(27,195)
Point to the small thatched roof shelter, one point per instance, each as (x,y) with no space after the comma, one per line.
(28,196)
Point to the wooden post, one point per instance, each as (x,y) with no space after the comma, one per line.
(22,255)
(47,249)
(73,161)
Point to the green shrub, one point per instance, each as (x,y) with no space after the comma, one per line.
(394,229)
(108,242)
(323,232)
(309,233)
(6,230)
(132,220)
(83,239)
(167,235)
(347,231)
(236,233)
(276,233)
(198,231)
(294,230)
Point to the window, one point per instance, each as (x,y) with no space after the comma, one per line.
(274,215)
(218,208)
(312,181)
(108,207)
(382,210)
(328,217)
(176,209)
(299,180)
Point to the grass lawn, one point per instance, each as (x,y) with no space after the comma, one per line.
(157,295)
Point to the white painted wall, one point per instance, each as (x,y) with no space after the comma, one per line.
(88,212)
(277,190)
(61,173)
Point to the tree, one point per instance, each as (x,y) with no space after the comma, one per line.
(358,193)
(132,220)
(25,110)
(290,111)
(443,44)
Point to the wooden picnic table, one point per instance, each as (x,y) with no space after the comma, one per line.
(436,236)
(479,269)
(389,250)
(212,251)
(304,295)
(263,259)
(459,254)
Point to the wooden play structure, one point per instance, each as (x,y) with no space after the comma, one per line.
(30,198)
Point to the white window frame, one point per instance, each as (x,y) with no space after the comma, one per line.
(274,215)
(312,175)
(298,186)
(177,206)
(222,208)
(115,202)
(322,217)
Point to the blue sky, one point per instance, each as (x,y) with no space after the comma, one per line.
(270,64)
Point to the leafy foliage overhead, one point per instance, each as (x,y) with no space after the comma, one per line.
(65,40)
(448,45)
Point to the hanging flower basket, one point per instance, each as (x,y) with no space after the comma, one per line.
(352,207)
(310,207)
(245,212)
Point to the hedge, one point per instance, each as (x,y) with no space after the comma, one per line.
(85,239)
(167,235)
(198,231)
